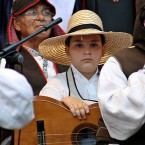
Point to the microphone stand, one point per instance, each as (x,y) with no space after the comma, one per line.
(16,57)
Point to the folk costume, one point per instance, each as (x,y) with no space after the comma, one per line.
(31,67)
(36,69)
(122,85)
(83,22)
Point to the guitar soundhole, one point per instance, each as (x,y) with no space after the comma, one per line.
(84,134)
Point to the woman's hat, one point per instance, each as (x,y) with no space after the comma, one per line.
(83,22)
(20,6)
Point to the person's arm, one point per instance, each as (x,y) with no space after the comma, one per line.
(16,100)
(57,88)
(121,101)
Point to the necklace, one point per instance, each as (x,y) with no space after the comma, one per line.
(72,83)
(35,53)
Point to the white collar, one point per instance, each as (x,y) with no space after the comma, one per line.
(77,73)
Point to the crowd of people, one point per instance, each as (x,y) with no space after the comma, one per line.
(78,68)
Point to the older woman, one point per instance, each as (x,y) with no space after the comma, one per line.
(28,16)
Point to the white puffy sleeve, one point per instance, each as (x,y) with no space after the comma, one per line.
(122,101)
(16,100)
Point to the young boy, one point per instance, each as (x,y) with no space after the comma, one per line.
(84,47)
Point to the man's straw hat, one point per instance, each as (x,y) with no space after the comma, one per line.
(83,22)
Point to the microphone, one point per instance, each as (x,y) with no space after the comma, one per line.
(9,49)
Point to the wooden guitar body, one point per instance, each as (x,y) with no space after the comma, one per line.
(54,124)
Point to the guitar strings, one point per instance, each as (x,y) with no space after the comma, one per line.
(95,131)
(51,142)
(70,142)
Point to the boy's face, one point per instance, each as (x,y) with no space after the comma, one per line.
(85,53)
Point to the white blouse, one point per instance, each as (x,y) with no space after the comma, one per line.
(16,100)
(121,100)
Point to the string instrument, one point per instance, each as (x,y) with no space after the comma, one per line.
(54,124)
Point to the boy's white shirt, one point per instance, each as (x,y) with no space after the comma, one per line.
(57,87)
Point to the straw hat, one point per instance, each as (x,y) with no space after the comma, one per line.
(83,22)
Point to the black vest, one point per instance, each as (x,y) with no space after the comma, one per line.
(31,70)
(131,60)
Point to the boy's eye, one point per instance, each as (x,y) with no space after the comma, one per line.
(94,45)
(78,45)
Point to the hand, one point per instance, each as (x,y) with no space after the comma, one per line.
(76,106)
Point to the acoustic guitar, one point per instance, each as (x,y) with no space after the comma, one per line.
(54,124)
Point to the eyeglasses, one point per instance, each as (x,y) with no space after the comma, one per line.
(34,14)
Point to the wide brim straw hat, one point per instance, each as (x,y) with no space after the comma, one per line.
(20,6)
(83,22)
